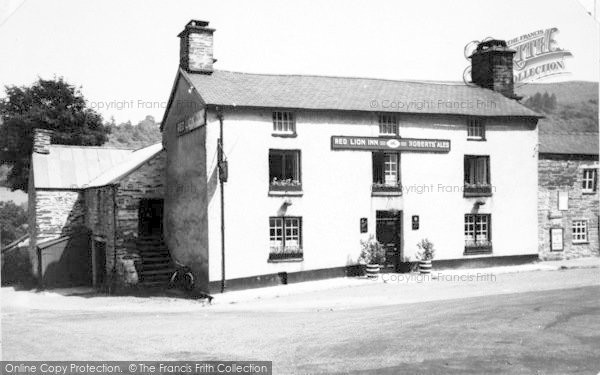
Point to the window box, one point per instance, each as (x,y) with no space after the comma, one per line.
(387,188)
(471,190)
(285,185)
(289,253)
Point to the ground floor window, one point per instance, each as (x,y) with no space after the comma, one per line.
(580,231)
(285,235)
(478,234)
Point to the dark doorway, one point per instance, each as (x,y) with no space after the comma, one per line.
(150,217)
(389,233)
(100,262)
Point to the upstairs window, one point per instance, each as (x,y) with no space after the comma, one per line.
(285,238)
(284,170)
(386,171)
(589,180)
(579,231)
(477,176)
(475,129)
(284,123)
(478,234)
(388,125)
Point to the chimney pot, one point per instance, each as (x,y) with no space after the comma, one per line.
(196,47)
(41,140)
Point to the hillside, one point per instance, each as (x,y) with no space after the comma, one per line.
(575,108)
(126,135)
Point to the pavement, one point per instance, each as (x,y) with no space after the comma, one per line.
(338,293)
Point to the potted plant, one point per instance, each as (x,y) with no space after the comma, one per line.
(405,265)
(425,255)
(373,255)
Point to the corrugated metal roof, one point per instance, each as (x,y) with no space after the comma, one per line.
(72,167)
(568,143)
(134,160)
(354,94)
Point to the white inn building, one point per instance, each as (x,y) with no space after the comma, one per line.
(277,178)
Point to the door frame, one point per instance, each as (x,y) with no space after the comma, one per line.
(398,217)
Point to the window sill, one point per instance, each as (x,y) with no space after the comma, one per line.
(284,135)
(286,260)
(482,191)
(588,192)
(287,193)
(386,190)
(580,242)
(476,139)
(386,193)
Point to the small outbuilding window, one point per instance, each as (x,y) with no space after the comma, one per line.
(477,176)
(284,170)
(475,129)
(589,180)
(580,231)
(285,238)
(284,123)
(388,125)
(478,234)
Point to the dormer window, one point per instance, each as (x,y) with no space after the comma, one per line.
(475,129)
(388,125)
(284,123)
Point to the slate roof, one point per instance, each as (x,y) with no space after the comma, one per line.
(568,143)
(227,88)
(72,167)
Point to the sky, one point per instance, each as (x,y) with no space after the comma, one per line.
(124,54)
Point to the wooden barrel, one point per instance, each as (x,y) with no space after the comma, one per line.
(372,271)
(425,266)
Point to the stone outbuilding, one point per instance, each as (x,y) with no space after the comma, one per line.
(568,207)
(94,212)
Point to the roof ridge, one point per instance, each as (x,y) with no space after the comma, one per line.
(435,82)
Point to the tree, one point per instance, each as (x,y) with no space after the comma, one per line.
(13,222)
(48,104)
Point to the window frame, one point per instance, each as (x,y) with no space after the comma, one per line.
(585,232)
(282,186)
(285,126)
(475,246)
(474,123)
(589,181)
(281,252)
(476,188)
(379,183)
(387,122)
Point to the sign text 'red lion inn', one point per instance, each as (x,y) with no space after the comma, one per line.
(340,142)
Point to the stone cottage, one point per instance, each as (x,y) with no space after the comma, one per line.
(568,208)
(94,213)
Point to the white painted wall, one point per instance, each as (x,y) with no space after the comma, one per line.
(337,189)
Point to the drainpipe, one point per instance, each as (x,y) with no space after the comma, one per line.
(222,178)
(114,267)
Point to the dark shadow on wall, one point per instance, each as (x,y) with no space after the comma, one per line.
(16,268)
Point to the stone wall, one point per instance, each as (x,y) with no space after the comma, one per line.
(565,173)
(145,182)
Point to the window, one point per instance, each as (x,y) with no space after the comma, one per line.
(475,129)
(477,176)
(386,171)
(285,235)
(284,123)
(580,231)
(478,234)
(388,125)
(589,180)
(284,170)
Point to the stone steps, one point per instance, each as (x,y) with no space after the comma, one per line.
(156,264)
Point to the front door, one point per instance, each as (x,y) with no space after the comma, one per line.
(389,233)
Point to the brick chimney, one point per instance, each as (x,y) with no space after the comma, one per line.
(196,47)
(492,67)
(41,140)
